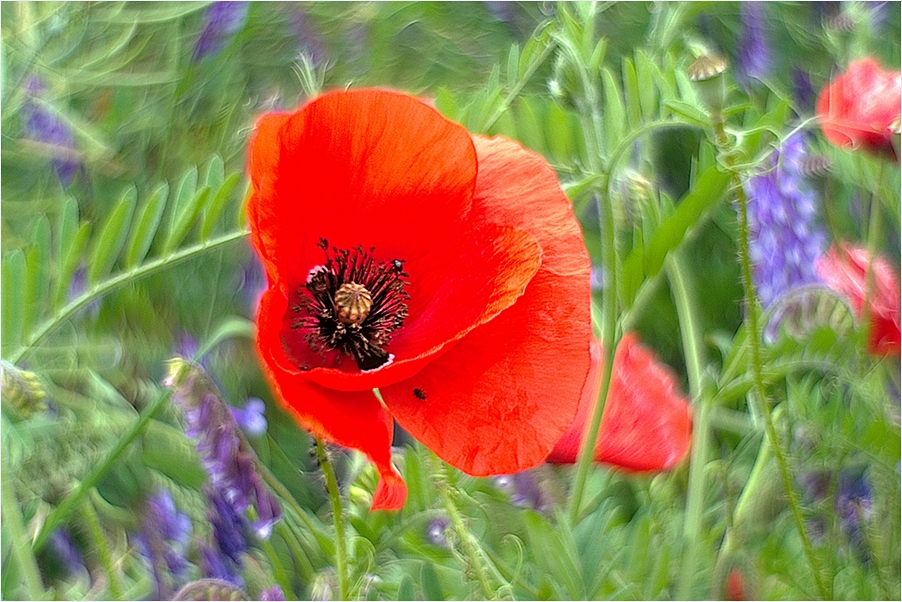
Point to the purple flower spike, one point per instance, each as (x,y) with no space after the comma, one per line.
(754,61)
(163,541)
(272,594)
(224,20)
(42,125)
(785,241)
(251,419)
(71,559)
(854,508)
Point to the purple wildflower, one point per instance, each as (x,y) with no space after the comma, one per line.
(754,60)
(272,594)
(435,531)
(65,550)
(223,20)
(803,91)
(163,541)
(524,489)
(308,41)
(853,507)
(785,240)
(234,484)
(250,419)
(42,125)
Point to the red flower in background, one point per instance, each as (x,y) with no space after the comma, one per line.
(646,424)
(446,270)
(861,108)
(844,269)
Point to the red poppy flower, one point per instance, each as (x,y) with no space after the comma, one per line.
(446,270)
(861,108)
(646,424)
(844,269)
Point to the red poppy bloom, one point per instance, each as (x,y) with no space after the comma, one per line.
(646,424)
(446,270)
(861,108)
(844,269)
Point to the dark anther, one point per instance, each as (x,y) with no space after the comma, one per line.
(419,393)
(323,244)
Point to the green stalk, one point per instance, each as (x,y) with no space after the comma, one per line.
(117,282)
(15,529)
(691,334)
(61,512)
(341,552)
(592,129)
(759,394)
(92,521)
(476,561)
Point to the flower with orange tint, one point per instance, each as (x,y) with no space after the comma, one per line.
(860,108)
(844,269)
(646,423)
(444,269)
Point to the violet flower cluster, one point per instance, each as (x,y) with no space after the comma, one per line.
(786,240)
(754,60)
(234,484)
(223,20)
(44,126)
(163,541)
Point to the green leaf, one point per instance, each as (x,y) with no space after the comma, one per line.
(558,133)
(183,196)
(406,590)
(215,207)
(215,173)
(66,228)
(690,113)
(556,553)
(645,262)
(529,125)
(112,237)
(69,261)
(632,93)
(614,114)
(186,219)
(513,64)
(37,268)
(13,271)
(429,581)
(648,91)
(146,226)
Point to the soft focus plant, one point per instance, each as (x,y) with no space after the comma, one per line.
(715,180)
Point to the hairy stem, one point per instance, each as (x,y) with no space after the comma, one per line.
(759,394)
(341,551)
(15,529)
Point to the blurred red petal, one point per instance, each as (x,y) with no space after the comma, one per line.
(844,269)
(646,424)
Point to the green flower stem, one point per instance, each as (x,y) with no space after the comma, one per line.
(116,282)
(759,394)
(95,530)
(691,334)
(470,548)
(592,128)
(61,512)
(15,530)
(341,551)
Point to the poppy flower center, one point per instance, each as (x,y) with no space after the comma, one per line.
(351,305)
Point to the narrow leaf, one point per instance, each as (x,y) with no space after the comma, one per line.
(37,263)
(66,228)
(186,219)
(183,195)
(646,262)
(215,173)
(645,75)
(614,114)
(146,226)
(112,237)
(632,93)
(13,272)
(214,208)
(513,64)
(405,589)
(70,262)
(429,581)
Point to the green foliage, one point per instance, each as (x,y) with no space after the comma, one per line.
(130,261)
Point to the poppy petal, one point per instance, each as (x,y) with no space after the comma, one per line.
(352,419)
(844,269)
(352,170)
(646,424)
(498,401)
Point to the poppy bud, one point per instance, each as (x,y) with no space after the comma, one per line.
(707,73)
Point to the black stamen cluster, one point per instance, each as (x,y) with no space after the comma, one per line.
(365,341)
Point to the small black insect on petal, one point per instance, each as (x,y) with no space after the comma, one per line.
(419,393)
